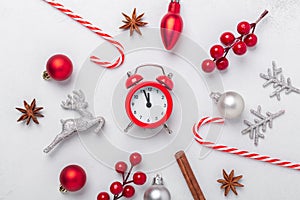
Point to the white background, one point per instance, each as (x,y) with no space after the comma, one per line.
(31,31)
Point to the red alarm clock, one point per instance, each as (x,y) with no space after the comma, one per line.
(149,104)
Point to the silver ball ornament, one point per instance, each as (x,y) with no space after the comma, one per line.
(230,104)
(157,191)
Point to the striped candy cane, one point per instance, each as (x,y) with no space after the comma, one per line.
(236,151)
(96,30)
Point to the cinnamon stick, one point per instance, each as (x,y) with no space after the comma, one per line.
(189,176)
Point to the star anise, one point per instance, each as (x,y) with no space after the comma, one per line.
(30,112)
(230,182)
(133,23)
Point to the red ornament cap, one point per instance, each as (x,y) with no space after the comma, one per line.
(72,178)
(174,7)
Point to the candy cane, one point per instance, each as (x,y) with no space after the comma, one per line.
(96,30)
(236,151)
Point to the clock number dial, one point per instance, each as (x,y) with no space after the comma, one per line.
(149,104)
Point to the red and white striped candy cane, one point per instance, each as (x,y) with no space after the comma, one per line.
(96,30)
(236,151)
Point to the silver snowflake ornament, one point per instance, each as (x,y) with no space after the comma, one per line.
(279,83)
(261,123)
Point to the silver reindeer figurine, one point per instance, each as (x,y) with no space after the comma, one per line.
(71,126)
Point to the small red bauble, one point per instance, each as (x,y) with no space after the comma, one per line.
(116,188)
(208,65)
(216,51)
(222,63)
(128,191)
(103,196)
(239,48)
(135,158)
(250,40)
(227,38)
(139,178)
(59,67)
(243,28)
(72,178)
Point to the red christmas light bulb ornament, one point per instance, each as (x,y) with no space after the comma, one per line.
(171,25)
(72,178)
(59,67)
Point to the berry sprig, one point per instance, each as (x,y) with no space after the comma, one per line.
(239,45)
(124,189)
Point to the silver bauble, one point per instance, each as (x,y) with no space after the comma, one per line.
(157,191)
(230,104)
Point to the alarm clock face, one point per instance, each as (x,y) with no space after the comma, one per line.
(149,104)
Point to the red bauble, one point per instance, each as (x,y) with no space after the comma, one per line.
(139,178)
(72,178)
(171,25)
(59,67)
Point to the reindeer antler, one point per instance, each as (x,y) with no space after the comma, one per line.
(78,96)
(73,102)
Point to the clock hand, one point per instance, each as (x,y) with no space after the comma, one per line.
(148,103)
(147,95)
(147,99)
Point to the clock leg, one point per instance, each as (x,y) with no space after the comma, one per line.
(167,129)
(128,127)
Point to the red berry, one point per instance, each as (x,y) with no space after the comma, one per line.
(239,48)
(116,188)
(128,191)
(103,196)
(250,40)
(135,158)
(243,28)
(208,65)
(139,178)
(121,167)
(216,51)
(222,63)
(227,38)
